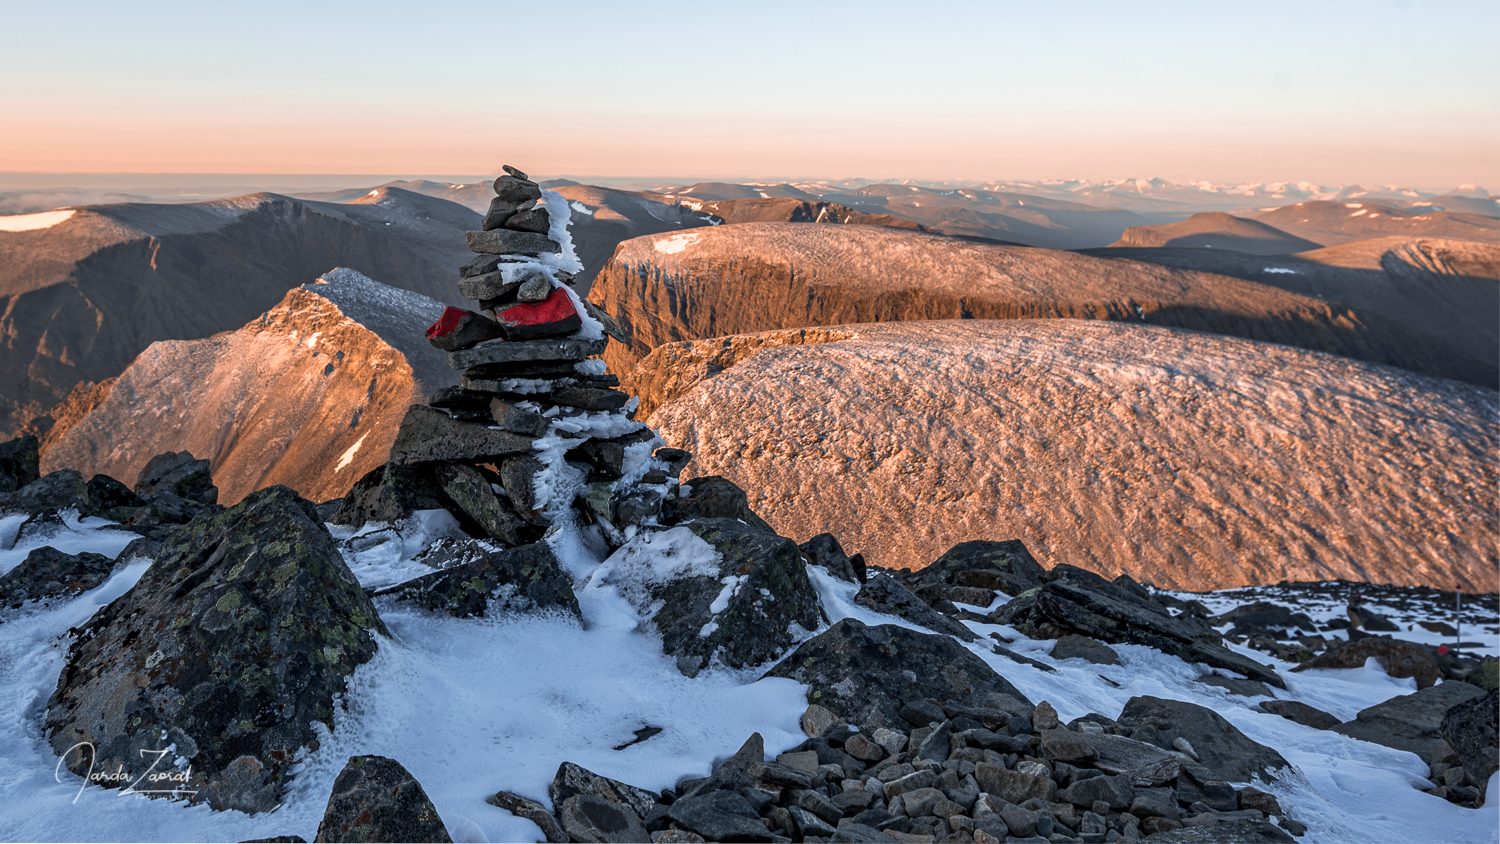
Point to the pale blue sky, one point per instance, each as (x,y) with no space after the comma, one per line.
(1335,92)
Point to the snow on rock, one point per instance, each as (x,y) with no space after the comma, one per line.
(35,222)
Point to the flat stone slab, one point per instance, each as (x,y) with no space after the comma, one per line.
(1411,722)
(507,242)
(428,434)
(509,351)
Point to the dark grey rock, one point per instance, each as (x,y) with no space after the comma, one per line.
(573,779)
(920,713)
(1221,747)
(1023,659)
(511,351)
(458,329)
(534,219)
(20,460)
(588,398)
(507,242)
(1006,566)
(1117,791)
(529,810)
(376,799)
(896,666)
(535,290)
(471,493)
(1397,657)
(1082,602)
(934,748)
(498,285)
(516,187)
(756,626)
(824,550)
(1296,710)
(517,420)
(61,490)
(482,265)
(1236,685)
(675,458)
(852,833)
(1198,784)
(720,816)
(1014,786)
(390,492)
(1074,646)
(499,211)
(1469,728)
(1362,617)
(588,818)
(883,594)
(809,824)
(180,474)
(524,579)
(48,573)
(518,476)
(430,435)
(712,497)
(1156,803)
(236,639)
(1410,722)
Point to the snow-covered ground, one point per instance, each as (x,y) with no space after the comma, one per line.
(474,706)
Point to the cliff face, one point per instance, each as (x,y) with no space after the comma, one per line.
(1185,459)
(309,395)
(757,277)
(84,297)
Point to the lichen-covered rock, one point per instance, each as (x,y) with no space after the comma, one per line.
(1409,722)
(472,494)
(48,572)
(235,640)
(574,779)
(1470,729)
(756,606)
(883,594)
(377,799)
(1221,747)
(429,435)
(522,579)
(61,490)
(1088,604)
(1398,658)
(824,550)
(390,492)
(180,474)
(866,674)
(20,460)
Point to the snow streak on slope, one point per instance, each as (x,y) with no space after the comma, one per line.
(1185,459)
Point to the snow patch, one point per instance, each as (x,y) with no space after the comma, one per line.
(34,222)
(676,243)
(348,456)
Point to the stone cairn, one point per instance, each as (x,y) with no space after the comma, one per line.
(535,426)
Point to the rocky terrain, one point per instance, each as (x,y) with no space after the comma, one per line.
(522,626)
(83,297)
(309,395)
(756,277)
(1183,459)
(1216,230)
(1333,223)
(790,210)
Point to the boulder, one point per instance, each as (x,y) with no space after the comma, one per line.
(238,637)
(748,611)
(573,779)
(516,188)
(883,594)
(720,816)
(1469,728)
(712,497)
(1143,764)
(825,551)
(430,435)
(524,579)
(1484,675)
(48,573)
(390,492)
(1082,602)
(1117,791)
(1296,710)
(61,490)
(1410,722)
(377,799)
(180,474)
(1074,646)
(532,811)
(1220,746)
(20,461)
(895,665)
(1398,658)
(588,818)
(1005,566)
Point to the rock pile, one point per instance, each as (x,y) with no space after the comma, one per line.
(535,416)
(944,771)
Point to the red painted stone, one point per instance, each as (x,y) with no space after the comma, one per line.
(448,323)
(552,316)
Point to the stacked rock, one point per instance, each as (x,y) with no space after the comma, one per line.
(535,426)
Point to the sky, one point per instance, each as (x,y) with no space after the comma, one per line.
(1376,92)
